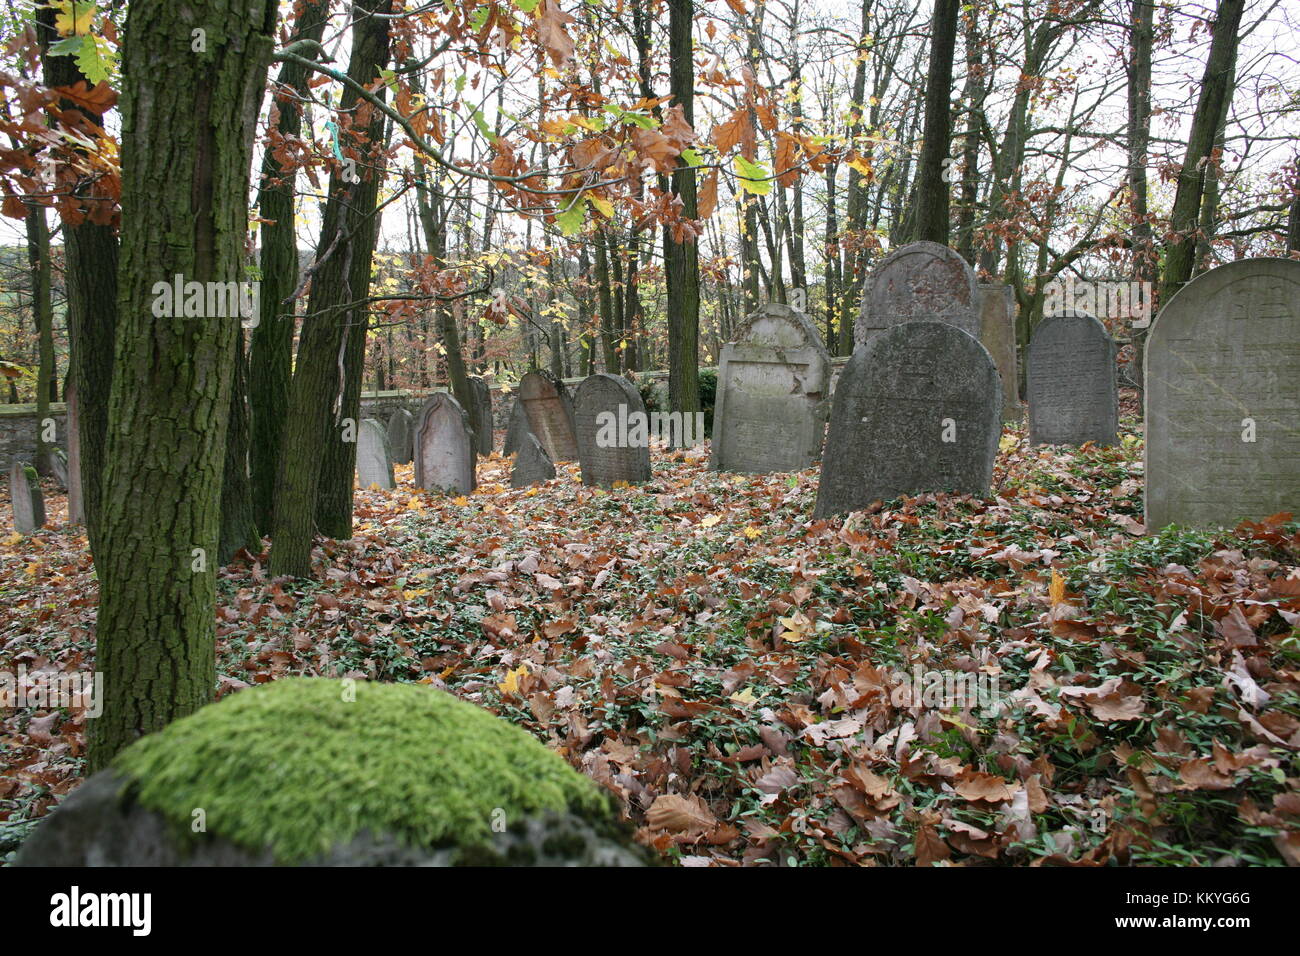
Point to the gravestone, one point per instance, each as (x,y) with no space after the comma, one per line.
(923,281)
(374,461)
(532,464)
(444,447)
(482,421)
(76,507)
(550,414)
(613,431)
(59,462)
(28,502)
(517,428)
(1071,387)
(401,436)
(1222,383)
(998,335)
(917,409)
(770,411)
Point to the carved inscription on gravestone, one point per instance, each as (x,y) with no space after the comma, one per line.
(770,409)
(916,409)
(1222,383)
(1072,391)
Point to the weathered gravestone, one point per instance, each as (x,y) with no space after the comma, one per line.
(770,411)
(1222,383)
(444,447)
(613,430)
(550,414)
(998,335)
(401,436)
(76,509)
(1071,387)
(517,428)
(917,409)
(532,464)
(28,502)
(433,781)
(374,461)
(923,281)
(482,420)
(59,462)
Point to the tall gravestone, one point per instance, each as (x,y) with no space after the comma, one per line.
(444,447)
(917,409)
(25,494)
(59,463)
(401,436)
(769,414)
(611,447)
(76,508)
(532,464)
(482,420)
(550,414)
(1222,381)
(1071,387)
(374,460)
(998,335)
(922,281)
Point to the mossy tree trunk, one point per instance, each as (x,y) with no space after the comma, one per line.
(270,362)
(316,462)
(90,258)
(238,527)
(188,120)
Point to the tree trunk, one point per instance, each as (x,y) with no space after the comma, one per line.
(681,259)
(931,220)
(238,527)
(316,447)
(38,258)
(188,123)
(270,358)
(90,262)
(1215,89)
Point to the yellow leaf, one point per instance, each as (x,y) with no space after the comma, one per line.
(414,504)
(744,698)
(710,521)
(1056,591)
(13,538)
(1007,443)
(460,502)
(751,532)
(531,492)
(511,684)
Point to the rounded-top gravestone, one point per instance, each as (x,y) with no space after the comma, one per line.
(401,436)
(922,281)
(613,431)
(1072,389)
(917,409)
(444,447)
(482,417)
(374,461)
(770,409)
(1222,383)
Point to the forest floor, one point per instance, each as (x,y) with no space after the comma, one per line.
(736,673)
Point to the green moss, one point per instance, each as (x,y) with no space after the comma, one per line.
(296,768)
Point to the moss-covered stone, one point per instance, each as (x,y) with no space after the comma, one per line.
(298,772)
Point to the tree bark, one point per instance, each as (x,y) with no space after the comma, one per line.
(931,190)
(314,451)
(681,259)
(38,259)
(90,262)
(188,121)
(1216,87)
(270,360)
